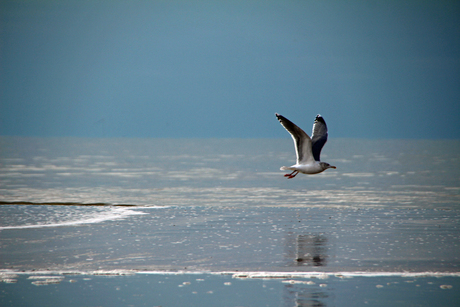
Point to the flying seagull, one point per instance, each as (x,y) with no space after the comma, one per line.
(307,149)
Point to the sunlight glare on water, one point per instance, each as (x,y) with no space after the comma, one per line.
(100,206)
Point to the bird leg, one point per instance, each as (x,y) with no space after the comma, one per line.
(291,175)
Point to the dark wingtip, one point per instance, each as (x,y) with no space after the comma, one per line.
(320,118)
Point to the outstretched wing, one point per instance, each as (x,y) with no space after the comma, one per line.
(318,136)
(302,141)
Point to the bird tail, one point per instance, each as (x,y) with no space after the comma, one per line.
(284,168)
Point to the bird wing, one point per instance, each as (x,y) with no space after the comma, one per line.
(302,141)
(318,136)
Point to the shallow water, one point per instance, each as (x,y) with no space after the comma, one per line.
(206,238)
(75,206)
(154,289)
(222,172)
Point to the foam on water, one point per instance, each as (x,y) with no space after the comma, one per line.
(26,217)
(235,274)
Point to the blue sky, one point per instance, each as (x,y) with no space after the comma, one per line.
(373,69)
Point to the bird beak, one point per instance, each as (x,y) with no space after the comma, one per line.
(332,166)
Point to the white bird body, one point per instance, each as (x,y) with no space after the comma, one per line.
(315,167)
(307,149)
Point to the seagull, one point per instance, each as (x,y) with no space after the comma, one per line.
(307,149)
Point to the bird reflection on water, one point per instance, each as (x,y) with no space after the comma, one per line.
(301,296)
(306,249)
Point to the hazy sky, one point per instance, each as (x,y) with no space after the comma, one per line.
(373,69)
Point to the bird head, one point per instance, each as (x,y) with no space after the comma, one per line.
(327,165)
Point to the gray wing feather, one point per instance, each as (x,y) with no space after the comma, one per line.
(318,136)
(302,141)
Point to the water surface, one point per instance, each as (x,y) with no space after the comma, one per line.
(221,206)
